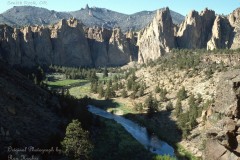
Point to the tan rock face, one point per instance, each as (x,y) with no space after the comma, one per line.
(223,131)
(60,44)
(195,31)
(157,38)
(234,19)
(110,47)
(221,34)
(66,43)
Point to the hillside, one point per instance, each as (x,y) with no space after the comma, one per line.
(28,15)
(26,112)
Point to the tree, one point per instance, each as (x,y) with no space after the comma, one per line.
(163,95)
(100,90)
(152,105)
(76,143)
(182,94)
(109,93)
(169,106)
(124,93)
(178,108)
(157,89)
(105,72)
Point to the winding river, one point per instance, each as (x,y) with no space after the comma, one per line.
(151,143)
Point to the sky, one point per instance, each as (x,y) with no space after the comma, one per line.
(128,6)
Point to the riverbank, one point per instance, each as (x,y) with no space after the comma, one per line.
(161,125)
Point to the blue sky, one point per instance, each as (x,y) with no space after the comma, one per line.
(129,6)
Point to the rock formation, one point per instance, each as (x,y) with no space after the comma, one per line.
(234,19)
(62,44)
(195,31)
(119,49)
(111,47)
(223,124)
(157,38)
(65,43)
(221,34)
(98,40)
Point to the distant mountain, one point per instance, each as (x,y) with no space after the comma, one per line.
(29,15)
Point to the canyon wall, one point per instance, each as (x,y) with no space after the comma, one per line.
(66,43)
(69,43)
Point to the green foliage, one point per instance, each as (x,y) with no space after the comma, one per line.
(157,89)
(152,105)
(182,94)
(76,143)
(163,95)
(94,87)
(100,91)
(114,143)
(105,72)
(124,93)
(178,108)
(138,107)
(169,106)
(109,92)
(164,157)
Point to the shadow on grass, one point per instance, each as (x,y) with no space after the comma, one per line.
(105,104)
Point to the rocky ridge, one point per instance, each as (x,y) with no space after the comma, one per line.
(204,30)
(66,43)
(89,16)
(70,43)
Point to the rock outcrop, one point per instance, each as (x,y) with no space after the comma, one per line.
(111,47)
(221,34)
(66,43)
(223,124)
(61,44)
(157,38)
(234,19)
(98,40)
(195,31)
(119,49)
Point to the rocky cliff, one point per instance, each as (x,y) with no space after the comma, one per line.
(234,19)
(204,30)
(66,43)
(158,38)
(111,47)
(223,124)
(221,34)
(195,31)
(62,44)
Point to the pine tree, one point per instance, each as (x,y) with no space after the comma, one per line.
(178,108)
(100,90)
(76,144)
(105,72)
(152,105)
(182,94)
(124,93)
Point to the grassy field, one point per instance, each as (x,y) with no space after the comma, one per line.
(67,82)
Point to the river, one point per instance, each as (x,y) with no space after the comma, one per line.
(140,133)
